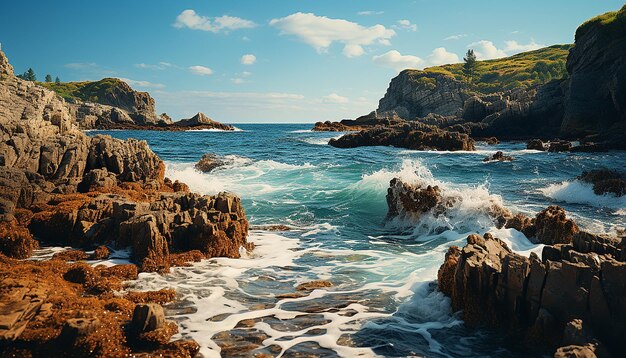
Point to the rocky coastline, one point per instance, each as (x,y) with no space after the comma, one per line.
(60,187)
(588,105)
(523,296)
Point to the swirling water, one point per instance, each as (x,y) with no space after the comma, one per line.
(383,300)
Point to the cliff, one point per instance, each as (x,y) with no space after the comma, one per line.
(595,98)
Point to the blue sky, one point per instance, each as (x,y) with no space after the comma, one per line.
(307,60)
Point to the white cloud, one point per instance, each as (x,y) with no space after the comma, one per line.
(440,56)
(397,61)
(237,80)
(240,78)
(320,32)
(248,59)
(455,37)
(190,19)
(200,70)
(515,47)
(405,25)
(145,84)
(335,98)
(369,13)
(81,65)
(157,66)
(486,50)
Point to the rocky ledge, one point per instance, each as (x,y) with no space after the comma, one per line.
(363,122)
(525,296)
(61,187)
(415,136)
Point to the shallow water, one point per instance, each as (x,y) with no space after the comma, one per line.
(383,300)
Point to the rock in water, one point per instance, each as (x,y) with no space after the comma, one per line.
(553,227)
(201,121)
(498,157)
(605,181)
(536,144)
(208,162)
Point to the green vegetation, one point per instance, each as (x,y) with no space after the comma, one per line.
(469,66)
(57,80)
(48,78)
(611,25)
(522,70)
(28,75)
(89,91)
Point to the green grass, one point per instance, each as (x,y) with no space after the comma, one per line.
(522,70)
(90,91)
(611,25)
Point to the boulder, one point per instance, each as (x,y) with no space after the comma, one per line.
(553,227)
(208,162)
(147,317)
(536,144)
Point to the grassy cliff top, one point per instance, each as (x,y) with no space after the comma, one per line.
(612,25)
(90,91)
(522,70)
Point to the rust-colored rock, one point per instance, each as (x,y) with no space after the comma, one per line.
(553,226)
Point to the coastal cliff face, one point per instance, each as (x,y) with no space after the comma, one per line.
(414,94)
(595,99)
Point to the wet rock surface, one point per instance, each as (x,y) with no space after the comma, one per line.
(494,286)
(498,157)
(605,181)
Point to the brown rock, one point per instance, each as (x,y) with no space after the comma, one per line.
(147,317)
(536,144)
(498,156)
(208,162)
(312,285)
(553,227)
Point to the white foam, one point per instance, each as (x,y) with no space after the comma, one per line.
(577,192)
(216,130)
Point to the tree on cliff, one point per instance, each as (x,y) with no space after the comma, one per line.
(57,80)
(28,75)
(48,78)
(470,65)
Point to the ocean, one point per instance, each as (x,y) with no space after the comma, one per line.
(383,300)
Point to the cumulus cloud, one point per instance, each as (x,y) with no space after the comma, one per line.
(191,20)
(455,37)
(200,70)
(145,84)
(321,32)
(514,46)
(397,61)
(405,25)
(248,59)
(370,13)
(335,98)
(486,50)
(440,56)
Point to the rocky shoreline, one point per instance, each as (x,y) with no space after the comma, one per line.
(524,296)
(61,187)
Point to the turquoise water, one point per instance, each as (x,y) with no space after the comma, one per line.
(383,300)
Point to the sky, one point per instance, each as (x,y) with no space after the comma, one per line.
(243,61)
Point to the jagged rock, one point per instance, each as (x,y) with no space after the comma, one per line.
(76,328)
(411,136)
(415,93)
(200,120)
(403,198)
(523,224)
(329,126)
(150,248)
(553,227)
(208,162)
(499,157)
(97,179)
(100,253)
(15,240)
(536,144)
(560,146)
(605,181)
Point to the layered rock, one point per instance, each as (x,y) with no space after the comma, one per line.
(363,122)
(64,187)
(497,287)
(411,136)
(595,99)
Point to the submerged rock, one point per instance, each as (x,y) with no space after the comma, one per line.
(498,157)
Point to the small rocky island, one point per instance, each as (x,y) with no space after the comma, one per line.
(60,187)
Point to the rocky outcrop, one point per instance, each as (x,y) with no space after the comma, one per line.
(605,181)
(63,187)
(208,162)
(363,122)
(411,136)
(595,99)
(329,126)
(415,93)
(498,157)
(201,121)
(540,300)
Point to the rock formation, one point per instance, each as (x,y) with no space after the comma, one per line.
(201,121)
(605,181)
(410,135)
(544,302)
(208,162)
(498,157)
